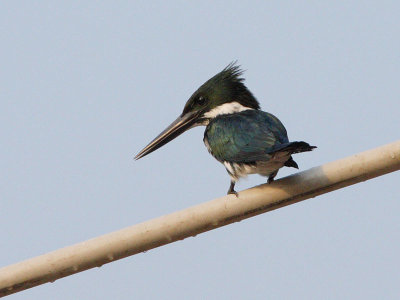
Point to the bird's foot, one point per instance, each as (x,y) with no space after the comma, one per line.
(232,190)
(234,193)
(272,176)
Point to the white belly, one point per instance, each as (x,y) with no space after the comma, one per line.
(264,168)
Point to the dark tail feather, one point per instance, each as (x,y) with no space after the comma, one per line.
(295,147)
(291,163)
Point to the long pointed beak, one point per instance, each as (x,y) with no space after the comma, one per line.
(176,128)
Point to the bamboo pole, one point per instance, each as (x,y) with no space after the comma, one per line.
(200,218)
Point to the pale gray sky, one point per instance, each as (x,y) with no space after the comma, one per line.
(85,85)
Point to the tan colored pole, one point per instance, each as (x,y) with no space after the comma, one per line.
(200,218)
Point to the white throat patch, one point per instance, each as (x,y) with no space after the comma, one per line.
(227,108)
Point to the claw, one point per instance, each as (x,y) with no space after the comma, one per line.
(231,189)
(234,193)
(272,176)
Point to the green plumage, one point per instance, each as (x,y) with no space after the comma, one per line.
(238,134)
(245,137)
(227,84)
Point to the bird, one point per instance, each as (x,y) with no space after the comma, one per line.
(238,134)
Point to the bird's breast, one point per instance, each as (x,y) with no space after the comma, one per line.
(263,168)
(238,170)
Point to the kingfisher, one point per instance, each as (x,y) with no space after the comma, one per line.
(245,139)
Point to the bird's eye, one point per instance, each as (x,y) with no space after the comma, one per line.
(201,100)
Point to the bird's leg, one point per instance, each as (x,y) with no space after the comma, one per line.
(272,176)
(231,189)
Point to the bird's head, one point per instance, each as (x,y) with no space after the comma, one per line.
(225,93)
